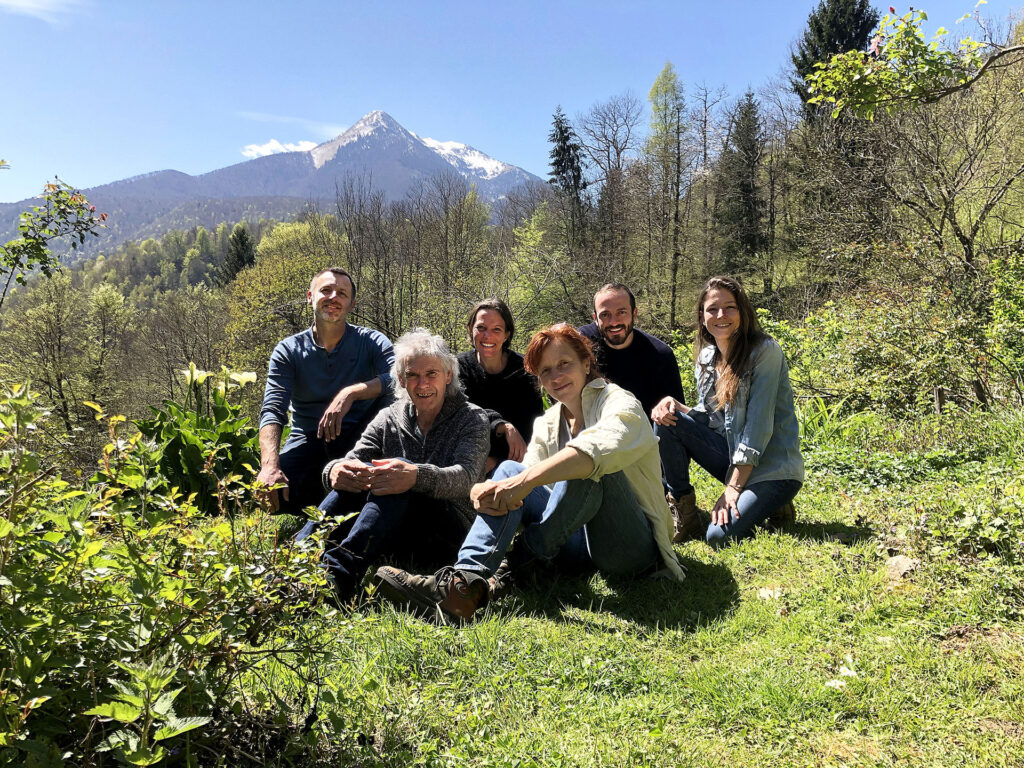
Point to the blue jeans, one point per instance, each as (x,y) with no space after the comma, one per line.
(579,520)
(688,439)
(408,525)
(302,459)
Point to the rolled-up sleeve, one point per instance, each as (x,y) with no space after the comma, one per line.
(456,479)
(278,392)
(619,438)
(759,424)
(383,359)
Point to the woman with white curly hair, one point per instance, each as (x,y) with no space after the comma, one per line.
(411,470)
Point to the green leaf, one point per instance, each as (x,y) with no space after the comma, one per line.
(175,726)
(145,755)
(117,710)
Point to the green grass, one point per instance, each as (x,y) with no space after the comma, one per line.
(790,649)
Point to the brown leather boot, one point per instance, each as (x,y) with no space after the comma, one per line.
(783,516)
(686,522)
(450,592)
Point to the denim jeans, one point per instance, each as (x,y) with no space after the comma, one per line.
(578,520)
(688,439)
(406,525)
(302,460)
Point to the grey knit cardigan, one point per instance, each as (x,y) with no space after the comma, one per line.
(449,460)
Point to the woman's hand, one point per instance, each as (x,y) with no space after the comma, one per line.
(665,411)
(516,444)
(392,476)
(497,497)
(725,510)
(350,475)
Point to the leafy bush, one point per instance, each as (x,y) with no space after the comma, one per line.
(131,623)
(205,448)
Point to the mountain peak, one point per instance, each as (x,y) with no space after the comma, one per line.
(368,124)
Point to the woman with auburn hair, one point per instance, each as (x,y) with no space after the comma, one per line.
(743,429)
(589,487)
(494,378)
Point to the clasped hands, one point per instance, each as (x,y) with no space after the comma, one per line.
(383,477)
(498,497)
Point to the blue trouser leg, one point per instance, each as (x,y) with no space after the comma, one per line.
(756,503)
(302,460)
(617,533)
(376,529)
(335,504)
(685,440)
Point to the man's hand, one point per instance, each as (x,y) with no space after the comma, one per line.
(350,475)
(665,411)
(271,475)
(392,476)
(516,444)
(329,427)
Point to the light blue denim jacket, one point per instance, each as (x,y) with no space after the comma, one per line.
(760,426)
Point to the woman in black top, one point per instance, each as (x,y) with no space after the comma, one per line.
(494,378)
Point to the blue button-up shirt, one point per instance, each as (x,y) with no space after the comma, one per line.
(304,377)
(760,427)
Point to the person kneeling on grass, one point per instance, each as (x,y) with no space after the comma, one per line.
(411,471)
(743,429)
(589,488)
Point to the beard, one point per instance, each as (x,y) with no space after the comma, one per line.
(618,337)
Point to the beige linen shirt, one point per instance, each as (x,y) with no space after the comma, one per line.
(618,437)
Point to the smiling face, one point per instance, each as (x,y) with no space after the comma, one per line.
(426,380)
(331,298)
(489,334)
(615,318)
(721,316)
(562,373)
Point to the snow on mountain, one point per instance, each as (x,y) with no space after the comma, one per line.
(369,124)
(465,158)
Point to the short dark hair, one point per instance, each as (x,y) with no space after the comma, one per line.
(616,287)
(502,309)
(340,272)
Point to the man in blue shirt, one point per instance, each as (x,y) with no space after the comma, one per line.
(331,379)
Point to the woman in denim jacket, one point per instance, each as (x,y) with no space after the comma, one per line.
(743,429)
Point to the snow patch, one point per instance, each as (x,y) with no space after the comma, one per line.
(464,157)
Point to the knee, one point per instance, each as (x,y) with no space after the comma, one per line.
(508,468)
(716,536)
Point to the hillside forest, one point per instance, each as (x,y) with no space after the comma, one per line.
(876,216)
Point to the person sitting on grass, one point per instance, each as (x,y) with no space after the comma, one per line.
(494,378)
(743,429)
(589,488)
(410,473)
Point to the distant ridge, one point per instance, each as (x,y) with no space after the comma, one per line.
(377,147)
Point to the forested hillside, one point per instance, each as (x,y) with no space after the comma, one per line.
(877,220)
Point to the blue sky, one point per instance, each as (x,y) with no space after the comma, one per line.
(97,90)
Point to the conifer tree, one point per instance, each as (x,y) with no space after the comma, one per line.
(241,254)
(741,199)
(835,26)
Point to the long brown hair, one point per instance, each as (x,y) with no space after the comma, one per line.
(733,369)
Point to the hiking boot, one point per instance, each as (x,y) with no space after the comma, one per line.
(500,584)
(686,522)
(783,516)
(455,594)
